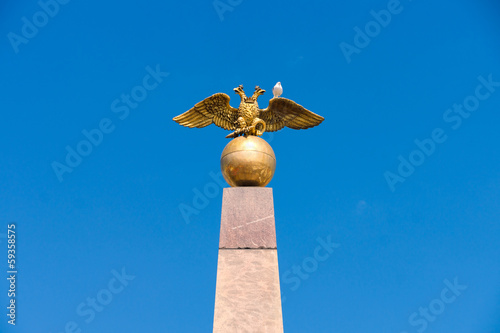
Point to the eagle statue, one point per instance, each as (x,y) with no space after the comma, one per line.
(248,119)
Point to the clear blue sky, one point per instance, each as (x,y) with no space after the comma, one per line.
(403,174)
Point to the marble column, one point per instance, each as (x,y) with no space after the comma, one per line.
(247,297)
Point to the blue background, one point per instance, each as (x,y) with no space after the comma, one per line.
(119,208)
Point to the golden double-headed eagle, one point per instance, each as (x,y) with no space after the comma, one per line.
(248,119)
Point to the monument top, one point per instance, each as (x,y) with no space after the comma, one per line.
(248,160)
(248,119)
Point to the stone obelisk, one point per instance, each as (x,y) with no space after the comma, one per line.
(247,297)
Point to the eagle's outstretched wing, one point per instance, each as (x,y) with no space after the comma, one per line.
(283,112)
(214,109)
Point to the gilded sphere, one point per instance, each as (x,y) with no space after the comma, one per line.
(248,161)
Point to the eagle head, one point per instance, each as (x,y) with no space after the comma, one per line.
(258,91)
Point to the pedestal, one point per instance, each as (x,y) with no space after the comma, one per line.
(247,297)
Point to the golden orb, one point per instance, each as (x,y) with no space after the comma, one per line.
(248,161)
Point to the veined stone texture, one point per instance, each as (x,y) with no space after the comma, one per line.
(247,296)
(247,219)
